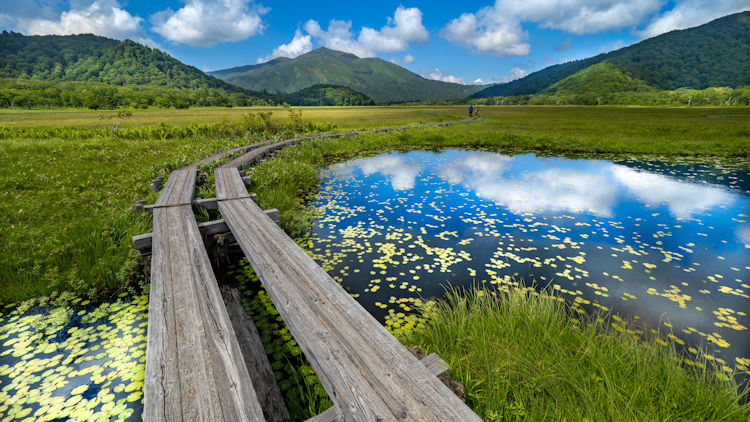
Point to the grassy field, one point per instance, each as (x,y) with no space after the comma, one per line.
(687,130)
(68,183)
(525,356)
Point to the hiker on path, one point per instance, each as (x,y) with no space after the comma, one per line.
(471,111)
(476,112)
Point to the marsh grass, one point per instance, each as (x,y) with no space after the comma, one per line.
(65,207)
(522,355)
(68,182)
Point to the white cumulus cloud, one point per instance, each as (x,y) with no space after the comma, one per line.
(396,167)
(487,32)
(403,28)
(683,199)
(496,29)
(102,17)
(689,13)
(515,73)
(205,23)
(298,46)
(437,75)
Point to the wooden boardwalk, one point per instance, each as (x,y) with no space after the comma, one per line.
(367,373)
(195,370)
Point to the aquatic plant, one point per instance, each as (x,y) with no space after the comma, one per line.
(63,358)
(303,393)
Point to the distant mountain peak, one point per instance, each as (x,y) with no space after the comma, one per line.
(383,81)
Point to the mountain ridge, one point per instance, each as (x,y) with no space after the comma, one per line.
(686,58)
(383,81)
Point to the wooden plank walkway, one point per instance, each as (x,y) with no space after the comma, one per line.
(195,370)
(367,373)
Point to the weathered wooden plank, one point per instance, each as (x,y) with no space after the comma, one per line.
(233,387)
(161,382)
(366,372)
(194,366)
(264,382)
(434,363)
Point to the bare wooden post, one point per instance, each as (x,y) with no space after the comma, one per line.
(264,382)
(156,184)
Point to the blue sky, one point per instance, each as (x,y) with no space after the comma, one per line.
(465,42)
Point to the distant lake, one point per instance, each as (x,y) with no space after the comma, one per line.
(663,242)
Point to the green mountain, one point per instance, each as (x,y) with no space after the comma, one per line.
(601,78)
(380,80)
(97,72)
(90,58)
(714,54)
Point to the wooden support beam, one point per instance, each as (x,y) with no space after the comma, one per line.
(434,363)
(206,203)
(273,214)
(143,242)
(258,366)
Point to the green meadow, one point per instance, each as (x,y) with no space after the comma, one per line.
(69,180)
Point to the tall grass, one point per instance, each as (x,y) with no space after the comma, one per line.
(66,190)
(66,196)
(526,356)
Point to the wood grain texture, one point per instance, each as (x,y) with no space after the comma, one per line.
(434,363)
(264,382)
(367,373)
(195,370)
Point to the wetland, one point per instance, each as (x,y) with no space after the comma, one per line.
(663,243)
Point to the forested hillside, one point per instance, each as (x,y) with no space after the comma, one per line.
(716,54)
(97,72)
(380,80)
(89,58)
(325,95)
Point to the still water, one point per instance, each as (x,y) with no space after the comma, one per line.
(73,362)
(665,243)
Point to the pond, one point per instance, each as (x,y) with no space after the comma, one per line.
(664,243)
(73,361)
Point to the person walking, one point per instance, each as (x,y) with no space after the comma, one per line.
(471,111)
(476,112)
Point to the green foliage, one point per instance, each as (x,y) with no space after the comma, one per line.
(522,355)
(714,54)
(378,79)
(303,393)
(326,95)
(89,58)
(578,91)
(67,192)
(94,95)
(601,78)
